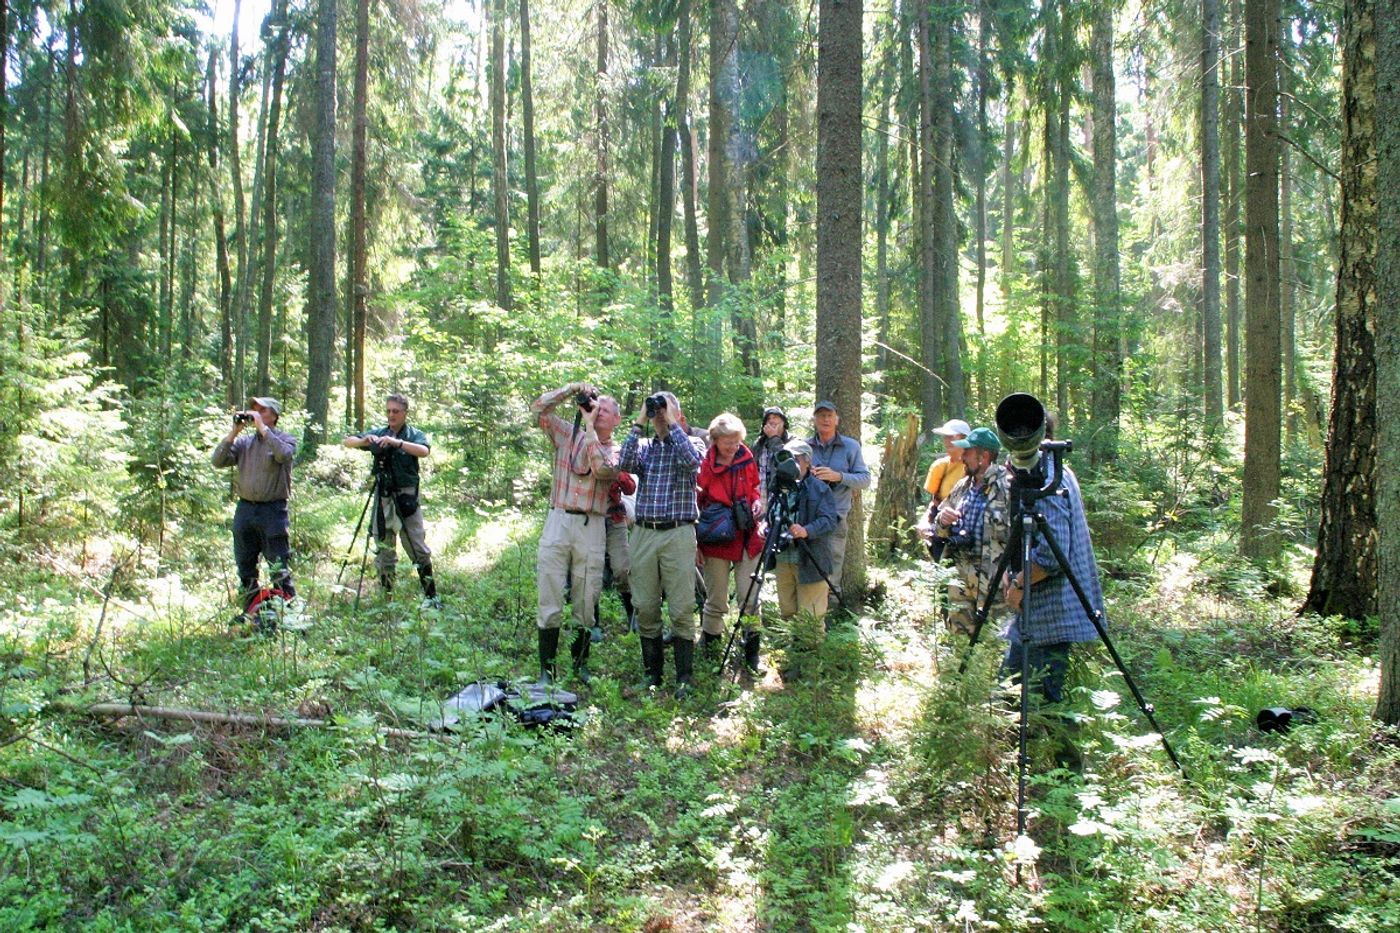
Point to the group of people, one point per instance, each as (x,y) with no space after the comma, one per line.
(970,523)
(699,499)
(670,502)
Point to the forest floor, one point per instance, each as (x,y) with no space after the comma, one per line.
(874,792)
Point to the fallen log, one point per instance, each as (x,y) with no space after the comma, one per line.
(239,719)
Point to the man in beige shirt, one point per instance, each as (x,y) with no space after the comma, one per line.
(263,482)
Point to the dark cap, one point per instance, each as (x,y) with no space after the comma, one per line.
(984,438)
(774,410)
(825,403)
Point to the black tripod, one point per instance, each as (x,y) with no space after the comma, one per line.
(379,473)
(778,518)
(1029,488)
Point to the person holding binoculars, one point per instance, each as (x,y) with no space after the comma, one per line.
(974,522)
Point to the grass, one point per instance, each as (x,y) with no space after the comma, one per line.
(876,792)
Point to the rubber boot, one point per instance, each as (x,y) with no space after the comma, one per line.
(752,644)
(709,647)
(626,596)
(685,663)
(579,650)
(429,584)
(596,632)
(549,647)
(653,660)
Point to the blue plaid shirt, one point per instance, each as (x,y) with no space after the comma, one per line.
(665,468)
(971,509)
(1056,615)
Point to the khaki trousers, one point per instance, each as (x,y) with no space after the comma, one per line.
(717,573)
(794,597)
(663,564)
(411,531)
(619,556)
(570,544)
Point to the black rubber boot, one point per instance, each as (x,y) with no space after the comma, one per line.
(710,647)
(752,644)
(685,663)
(653,660)
(579,650)
(626,597)
(549,647)
(425,579)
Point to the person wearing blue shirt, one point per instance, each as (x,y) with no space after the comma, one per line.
(837,461)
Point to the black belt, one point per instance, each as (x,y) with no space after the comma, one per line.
(264,502)
(666,526)
(575,512)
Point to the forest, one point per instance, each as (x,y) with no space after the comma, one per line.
(1175,224)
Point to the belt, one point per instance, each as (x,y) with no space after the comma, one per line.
(264,502)
(666,526)
(575,512)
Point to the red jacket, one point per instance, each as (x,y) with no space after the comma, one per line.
(739,480)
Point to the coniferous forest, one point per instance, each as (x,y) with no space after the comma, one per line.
(1176,225)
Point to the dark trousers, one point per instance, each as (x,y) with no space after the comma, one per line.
(1047,663)
(260,530)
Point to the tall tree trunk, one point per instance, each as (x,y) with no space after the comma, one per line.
(1231,146)
(269,207)
(1344,578)
(718,201)
(500,181)
(1210,209)
(220,241)
(839,203)
(984,37)
(240,225)
(1287,271)
(165,301)
(930,283)
(694,271)
(600,181)
(884,128)
(1107,384)
(1259,538)
(321,300)
(1008,193)
(527,99)
(359,282)
(1387,97)
(945,220)
(663,347)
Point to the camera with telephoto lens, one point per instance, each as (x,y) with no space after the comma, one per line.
(786,473)
(655,404)
(585,400)
(243,417)
(958,541)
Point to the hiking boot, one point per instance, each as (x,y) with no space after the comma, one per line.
(579,651)
(425,579)
(685,662)
(549,647)
(653,662)
(752,644)
(628,609)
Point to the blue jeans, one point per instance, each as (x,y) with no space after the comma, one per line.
(260,529)
(1047,665)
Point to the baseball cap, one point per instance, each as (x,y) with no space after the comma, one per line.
(825,403)
(799,448)
(984,438)
(953,426)
(266,402)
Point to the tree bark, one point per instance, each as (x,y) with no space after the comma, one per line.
(600,180)
(931,345)
(1258,513)
(1344,579)
(1210,210)
(321,298)
(839,203)
(1008,194)
(500,181)
(664,349)
(718,202)
(1387,122)
(1287,270)
(527,100)
(695,276)
(1231,155)
(359,246)
(220,240)
(271,147)
(240,223)
(945,219)
(1107,380)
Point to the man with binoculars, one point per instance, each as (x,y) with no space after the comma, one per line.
(263,482)
(975,523)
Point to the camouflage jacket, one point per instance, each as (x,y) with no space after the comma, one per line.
(975,566)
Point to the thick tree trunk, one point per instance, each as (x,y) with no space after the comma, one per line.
(839,204)
(240,212)
(945,219)
(718,201)
(984,36)
(527,103)
(694,274)
(1258,513)
(884,128)
(1344,576)
(220,240)
(359,243)
(1231,154)
(500,181)
(892,518)
(1287,271)
(269,207)
(663,347)
(1210,209)
(930,329)
(1387,122)
(321,300)
(601,142)
(1107,386)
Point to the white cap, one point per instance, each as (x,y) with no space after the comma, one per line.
(954,426)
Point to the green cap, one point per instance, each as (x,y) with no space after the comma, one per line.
(985,438)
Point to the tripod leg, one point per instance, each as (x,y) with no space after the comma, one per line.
(1096,619)
(355,535)
(1022,759)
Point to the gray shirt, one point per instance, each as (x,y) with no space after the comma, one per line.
(264,464)
(843,455)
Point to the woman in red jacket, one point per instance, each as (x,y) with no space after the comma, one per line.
(729,474)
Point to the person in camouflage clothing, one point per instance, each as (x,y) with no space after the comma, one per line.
(976,518)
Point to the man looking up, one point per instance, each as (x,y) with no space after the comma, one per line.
(837,461)
(263,483)
(398,447)
(977,517)
(574,540)
(663,538)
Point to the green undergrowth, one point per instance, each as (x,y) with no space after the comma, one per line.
(874,789)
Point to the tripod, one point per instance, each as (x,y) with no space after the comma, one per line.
(778,518)
(1029,489)
(379,473)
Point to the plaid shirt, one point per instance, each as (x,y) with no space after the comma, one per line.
(1056,613)
(665,468)
(584,466)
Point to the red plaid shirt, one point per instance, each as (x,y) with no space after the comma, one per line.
(584,466)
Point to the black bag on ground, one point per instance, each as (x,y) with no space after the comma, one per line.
(530,705)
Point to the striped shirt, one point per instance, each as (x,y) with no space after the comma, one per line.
(665,468)
(584,465)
